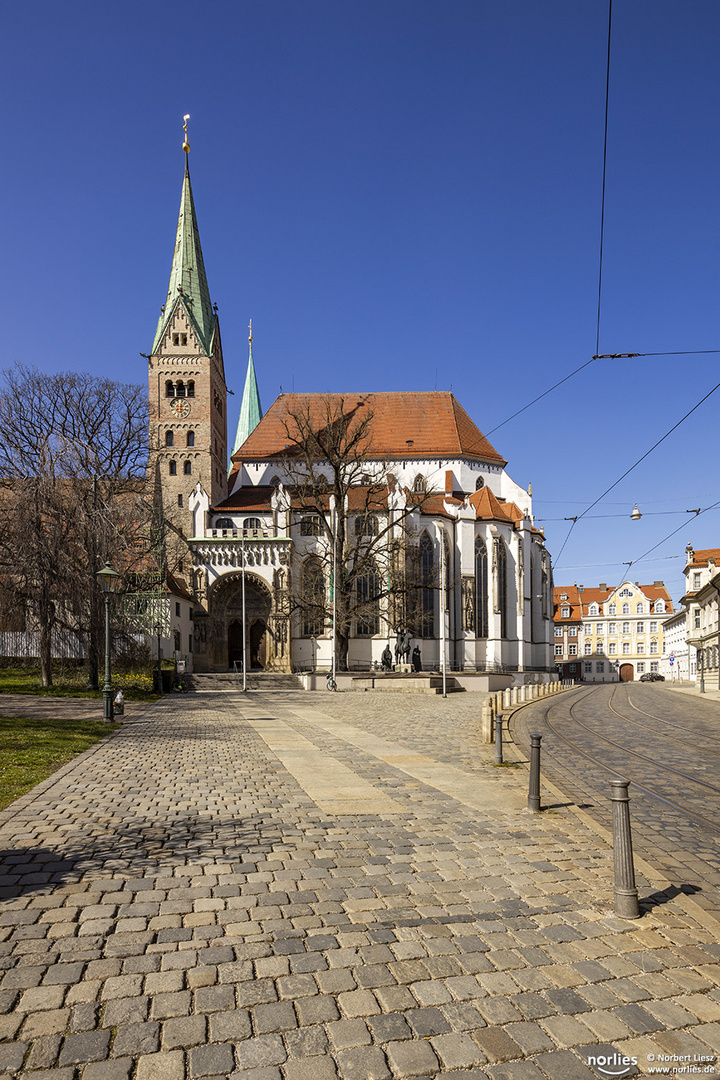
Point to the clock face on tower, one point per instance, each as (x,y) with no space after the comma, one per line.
(180,407)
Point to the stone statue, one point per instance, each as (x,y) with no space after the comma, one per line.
(402,645)
(386,659)
(416,659)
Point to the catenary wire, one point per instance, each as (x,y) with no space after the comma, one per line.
(604,173)
(635,465)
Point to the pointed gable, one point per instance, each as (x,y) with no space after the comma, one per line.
(188,285)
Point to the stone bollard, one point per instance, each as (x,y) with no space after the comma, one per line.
(626,894)
(498,701)
(498,739)
(534,784)
(486,723)
(506,699)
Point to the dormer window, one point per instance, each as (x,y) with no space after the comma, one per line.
(179,339)
(593,610)
(563,596)
(566,613)
(659,607)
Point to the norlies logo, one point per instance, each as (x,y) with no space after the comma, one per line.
(612,1064)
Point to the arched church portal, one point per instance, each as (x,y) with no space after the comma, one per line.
(226,634)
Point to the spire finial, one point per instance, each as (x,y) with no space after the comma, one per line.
(186,144)
(250,329)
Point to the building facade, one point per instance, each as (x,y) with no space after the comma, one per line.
(430,487)
(701,599)
(620,634)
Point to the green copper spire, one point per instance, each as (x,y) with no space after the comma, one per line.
(250,409)
(188,283)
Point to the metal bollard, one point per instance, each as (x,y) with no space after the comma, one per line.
(498,739)
(534,786)
(626,894)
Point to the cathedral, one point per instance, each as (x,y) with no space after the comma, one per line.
(426,492)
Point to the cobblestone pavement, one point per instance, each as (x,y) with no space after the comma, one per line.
(668,745)
(175,905)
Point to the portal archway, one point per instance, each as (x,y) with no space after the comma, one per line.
(226,632)
(627,673)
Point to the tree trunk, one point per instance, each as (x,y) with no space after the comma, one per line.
(45,651)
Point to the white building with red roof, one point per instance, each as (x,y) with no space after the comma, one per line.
(429,504)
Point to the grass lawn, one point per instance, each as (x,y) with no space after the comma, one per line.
(73,683)
(30,750)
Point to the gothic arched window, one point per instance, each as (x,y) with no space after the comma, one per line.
(367,593)
(501,584)
(427,592)
(419,483)
(366,525)
(169,438)
(481,588)
(313,594)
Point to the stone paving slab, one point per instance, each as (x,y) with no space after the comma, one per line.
(175,904)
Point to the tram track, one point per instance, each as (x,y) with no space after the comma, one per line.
(556,709)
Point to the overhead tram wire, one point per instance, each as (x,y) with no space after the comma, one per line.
(598,355)
(698,513)
(604,174)
(627,472)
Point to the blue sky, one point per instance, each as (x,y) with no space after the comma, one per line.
(402,194)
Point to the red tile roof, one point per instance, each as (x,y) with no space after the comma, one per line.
(405,425)
(700,558)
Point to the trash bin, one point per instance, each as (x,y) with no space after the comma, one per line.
(119,704)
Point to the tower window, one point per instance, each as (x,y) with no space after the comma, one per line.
(179,339)
(190,441)
(169,438)
(191,389)
(179,388)
(169,388)
(172,468)
(187,468)
(180,500)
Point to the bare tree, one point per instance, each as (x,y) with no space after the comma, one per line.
(73,464)
(361,567)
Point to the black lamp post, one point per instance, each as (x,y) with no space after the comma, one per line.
(158,674)
(109,584)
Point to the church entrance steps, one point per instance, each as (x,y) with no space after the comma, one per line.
(411,683)
(256,680)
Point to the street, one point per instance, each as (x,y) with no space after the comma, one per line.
(667,744)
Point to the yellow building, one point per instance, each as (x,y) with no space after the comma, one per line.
(621,635)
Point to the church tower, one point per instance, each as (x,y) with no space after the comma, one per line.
(187,390)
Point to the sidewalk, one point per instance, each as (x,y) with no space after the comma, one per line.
(304,887)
